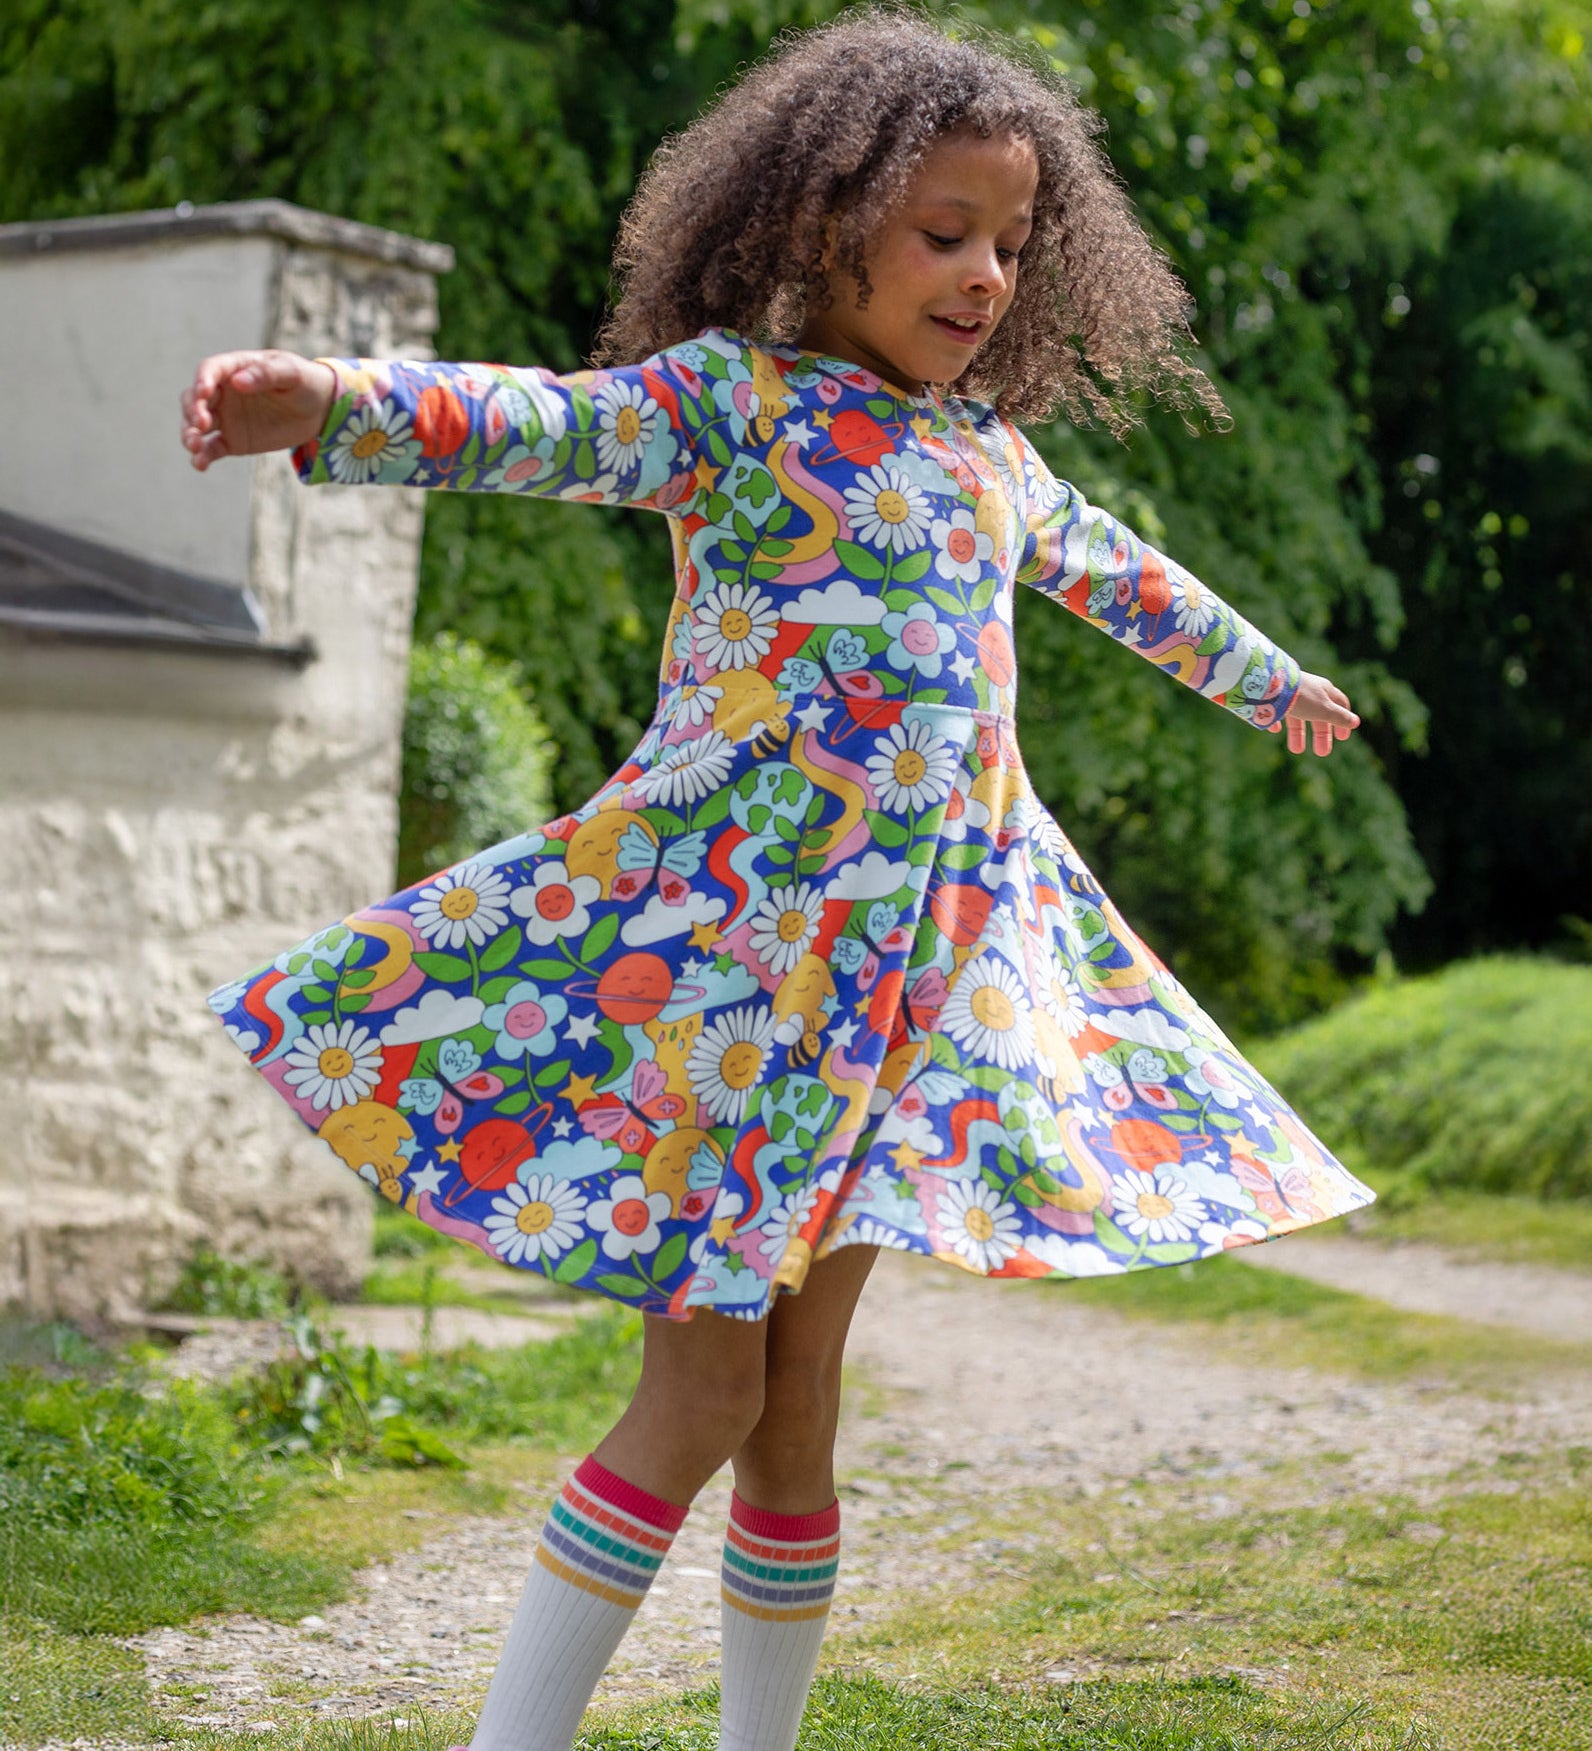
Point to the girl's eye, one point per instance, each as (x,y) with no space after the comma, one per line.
(1008,254)
(943,242)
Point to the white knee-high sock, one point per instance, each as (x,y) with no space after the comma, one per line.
(603,1543)
(779,1577)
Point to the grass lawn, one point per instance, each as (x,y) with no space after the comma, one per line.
(1214,1614)
(1474,1225)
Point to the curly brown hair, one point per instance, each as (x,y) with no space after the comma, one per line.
(735,221)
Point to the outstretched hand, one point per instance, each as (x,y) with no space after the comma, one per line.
(240,404)
(1322,706)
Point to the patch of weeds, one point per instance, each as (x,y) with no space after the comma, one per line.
(422,1283)
(1277,1319)
(229,1288)
(402,1236)
(328,1398)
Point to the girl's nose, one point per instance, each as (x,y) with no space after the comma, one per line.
(985,274)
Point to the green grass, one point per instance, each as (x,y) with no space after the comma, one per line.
(1275,1320)
(1475,1225)
(1463,1623)
(1473,1078)
(126,1503)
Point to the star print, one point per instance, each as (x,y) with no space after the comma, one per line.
(428,1179)
(408,1147)
(581,1029)
(1259,1116)
(964,666)
(449,1151)
(860,1007)
(704,935)
(814,715)
(823,419)
(799,433)
(905,1156)
(578,1089)
(844,1034)
(707,476)
(691,968)
(922,425)
(561,1127)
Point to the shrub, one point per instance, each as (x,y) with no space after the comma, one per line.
(1472,1077)
(476,759)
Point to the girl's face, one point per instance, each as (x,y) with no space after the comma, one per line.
(943,266)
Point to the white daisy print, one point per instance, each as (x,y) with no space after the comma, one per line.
(694,706)
(1063,997)
(886,509)
(978,1225)
(1157,1205)
(776,1233)
(627,421)
(555,903)
(539,1220)
(784,926)
(964,551)
(628,1221)
(988,1014)
(735,626)
(334,1066)
(914,768)
(462,905)
(727,1061)
(374,438)
(1191,607)
(688,771)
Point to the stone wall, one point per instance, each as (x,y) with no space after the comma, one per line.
(171,818)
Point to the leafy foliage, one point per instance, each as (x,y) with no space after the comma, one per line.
(476,759)
(1472,1077)
(1383,210)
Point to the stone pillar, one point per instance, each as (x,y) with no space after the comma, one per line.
(181,799)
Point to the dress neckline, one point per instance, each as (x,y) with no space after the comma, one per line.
(854,375)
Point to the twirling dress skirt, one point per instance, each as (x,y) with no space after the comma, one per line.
(814,968)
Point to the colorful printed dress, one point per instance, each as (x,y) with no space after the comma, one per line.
(814,968)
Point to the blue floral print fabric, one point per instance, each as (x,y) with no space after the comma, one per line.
(814,968)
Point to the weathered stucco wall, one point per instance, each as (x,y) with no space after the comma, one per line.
(169,819)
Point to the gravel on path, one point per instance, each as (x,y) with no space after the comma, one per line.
(965,1393)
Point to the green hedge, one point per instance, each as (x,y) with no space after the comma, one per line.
(477,761)
(1479,1076)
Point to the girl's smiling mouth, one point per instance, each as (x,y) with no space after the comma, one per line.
(966,326)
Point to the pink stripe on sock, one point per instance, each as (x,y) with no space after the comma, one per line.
(629,1498)
(792,1528)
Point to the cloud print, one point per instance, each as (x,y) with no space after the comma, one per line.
(838,604)
(436,1015)
(659,920)
(875,877)
(1146,1027)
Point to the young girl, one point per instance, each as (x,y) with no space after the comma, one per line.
(814,972)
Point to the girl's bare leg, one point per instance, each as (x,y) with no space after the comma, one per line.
(701,1390)
(786,1462)
(782,1546)
(700,1393)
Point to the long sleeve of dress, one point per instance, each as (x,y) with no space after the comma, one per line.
(1088,561)
(625,436)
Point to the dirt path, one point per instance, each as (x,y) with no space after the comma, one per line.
(964,1392)
(1423,1279)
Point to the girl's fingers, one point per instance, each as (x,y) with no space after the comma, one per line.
(1296,735)
(1323,737)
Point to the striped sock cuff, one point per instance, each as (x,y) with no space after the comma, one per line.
(607,1536)
(780,1567)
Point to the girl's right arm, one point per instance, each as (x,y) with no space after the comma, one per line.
(622,436)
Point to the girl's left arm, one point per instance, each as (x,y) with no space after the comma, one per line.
(1089,562)
(624,436)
